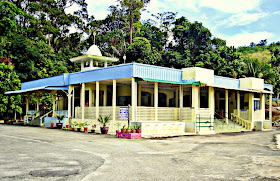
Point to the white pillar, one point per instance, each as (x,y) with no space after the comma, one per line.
(176,97)
(139,94)
(27,105)
(90,96)
(114,101)
(105,96)
(270,108)
(69,95)
(38,102)
(211,101)
(73,103)
(83,101)
(251,109)
(181,102)
(54,104)
(238,104)
(262,106)
(195,100)
(226,106)
(156,100)
(134,99)
(97,100)
(105,64)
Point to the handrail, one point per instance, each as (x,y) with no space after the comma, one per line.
(46,114)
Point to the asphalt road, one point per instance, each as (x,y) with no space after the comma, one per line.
(32,153)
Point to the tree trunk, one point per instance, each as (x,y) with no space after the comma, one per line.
(130,31)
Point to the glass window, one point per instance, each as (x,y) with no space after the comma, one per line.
(204,97)
(256,104)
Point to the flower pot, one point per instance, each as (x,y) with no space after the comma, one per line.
(85,129)
(93,131)
(79,129)
(73,129)
(7,122)
(123,130)
(133,131)
(52,125)
(104,130)
(59,125)
(128,130)
(67,126)
(138,130)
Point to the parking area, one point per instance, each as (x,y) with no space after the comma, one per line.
(32,153)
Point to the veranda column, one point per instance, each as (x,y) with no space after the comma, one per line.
(195,101)
(90,96)
(83,101)
(38,102)
(226,106)
(27,107)
(270,108)
(181,102)
(134,99)
(251,109)
(105,96)
(54,103)
(69,95)
(211,101)
(262,106)
(238,104)
(156,100)
(176,97)
(73,103)
(114,101)
(139,94)
(97,101)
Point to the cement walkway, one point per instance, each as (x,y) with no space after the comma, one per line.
(31,153)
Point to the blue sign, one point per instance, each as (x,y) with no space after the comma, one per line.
(123,113)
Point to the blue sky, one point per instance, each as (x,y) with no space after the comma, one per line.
(239,22)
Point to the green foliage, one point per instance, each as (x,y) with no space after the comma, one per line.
(104,120)
(9,81)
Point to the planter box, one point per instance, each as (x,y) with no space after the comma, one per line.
(129,135)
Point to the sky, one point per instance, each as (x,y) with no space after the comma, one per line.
(239,22)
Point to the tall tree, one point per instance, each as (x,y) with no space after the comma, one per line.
(132,10)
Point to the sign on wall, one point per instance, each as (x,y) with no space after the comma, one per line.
(123,113)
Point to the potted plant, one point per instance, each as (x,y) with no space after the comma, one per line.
(85,124)
(133,129)
(104,129)
(59,124)
(93,128)
(123,129)
(138,128)
(128,130)
(118,124)
(52,123)
(6,120)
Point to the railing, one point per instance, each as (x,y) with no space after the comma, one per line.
(145,113)
(244,114)
(168,114)
(246,123)
(106,111)
(187,114)
(204,122)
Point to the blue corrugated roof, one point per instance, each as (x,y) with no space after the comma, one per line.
(126,71)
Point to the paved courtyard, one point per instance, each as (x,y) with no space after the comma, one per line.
(31,153)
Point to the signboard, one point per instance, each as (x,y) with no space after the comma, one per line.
(123,113)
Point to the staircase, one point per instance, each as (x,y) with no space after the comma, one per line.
(221,127)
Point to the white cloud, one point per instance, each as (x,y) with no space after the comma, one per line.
(231,6)
(246,38)
(242,19)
